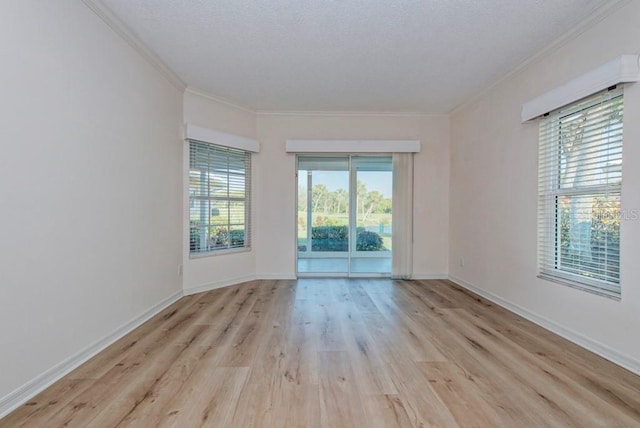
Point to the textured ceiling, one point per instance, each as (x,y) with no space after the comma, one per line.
(348,55)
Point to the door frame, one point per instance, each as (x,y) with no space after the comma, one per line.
(352,218)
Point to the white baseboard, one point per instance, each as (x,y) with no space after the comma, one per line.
(38,384)
(218,284)
(276,276)
(604,351)
(430,276)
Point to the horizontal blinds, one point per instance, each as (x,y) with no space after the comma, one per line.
(352,146)
(341,163)
(219,197)
(323,163)
(580,179)
(373,163)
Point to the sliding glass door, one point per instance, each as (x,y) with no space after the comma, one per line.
(371,251)
(323,215)
(344,215)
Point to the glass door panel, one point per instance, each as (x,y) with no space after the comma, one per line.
(323,215)
(371,251)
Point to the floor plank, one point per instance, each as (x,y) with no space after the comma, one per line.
(340,404)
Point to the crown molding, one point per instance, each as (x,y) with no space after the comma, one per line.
(123,31)
(221,100)
(120,28)
(339,113)
(598,15)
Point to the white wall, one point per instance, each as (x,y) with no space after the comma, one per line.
(90,185)
(276,184)
(216,270)
(494,190)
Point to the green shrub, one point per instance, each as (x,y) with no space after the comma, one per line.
(368,241)
(336,238)
(194,238)
(223,237)
(220,237)
(329,238)
(237,238)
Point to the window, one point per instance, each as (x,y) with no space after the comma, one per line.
(580,180)
(219,198)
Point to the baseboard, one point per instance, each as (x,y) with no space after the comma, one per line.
(430,276)
(16,398)
(218,284)
(276,276)
(598,348)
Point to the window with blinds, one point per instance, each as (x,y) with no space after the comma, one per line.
(219,198)
(580,180)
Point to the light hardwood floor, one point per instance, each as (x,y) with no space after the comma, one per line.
(339,353)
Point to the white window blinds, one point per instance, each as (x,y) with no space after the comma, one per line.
(580,179)
(219,198)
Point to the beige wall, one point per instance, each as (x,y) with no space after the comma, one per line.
(494,190)
(276,184)
(208,272)
(90,178)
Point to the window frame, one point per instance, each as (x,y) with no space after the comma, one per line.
(246,176)
(551,190)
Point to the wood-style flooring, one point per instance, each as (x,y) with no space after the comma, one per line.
(339,353)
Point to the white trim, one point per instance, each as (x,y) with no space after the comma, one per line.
(125,33)
(206,135)
(218,284)
(353,146)
(307,113)
(589,344)
(218,252)
(624,69)
(350,113)
(15,399)
(218,99)
(367,275)
(303,275)
(345,275)
(430,276)
(276,276)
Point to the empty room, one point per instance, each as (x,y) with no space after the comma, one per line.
(358,213)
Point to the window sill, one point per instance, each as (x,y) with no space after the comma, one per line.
(215,253)
(616,296)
